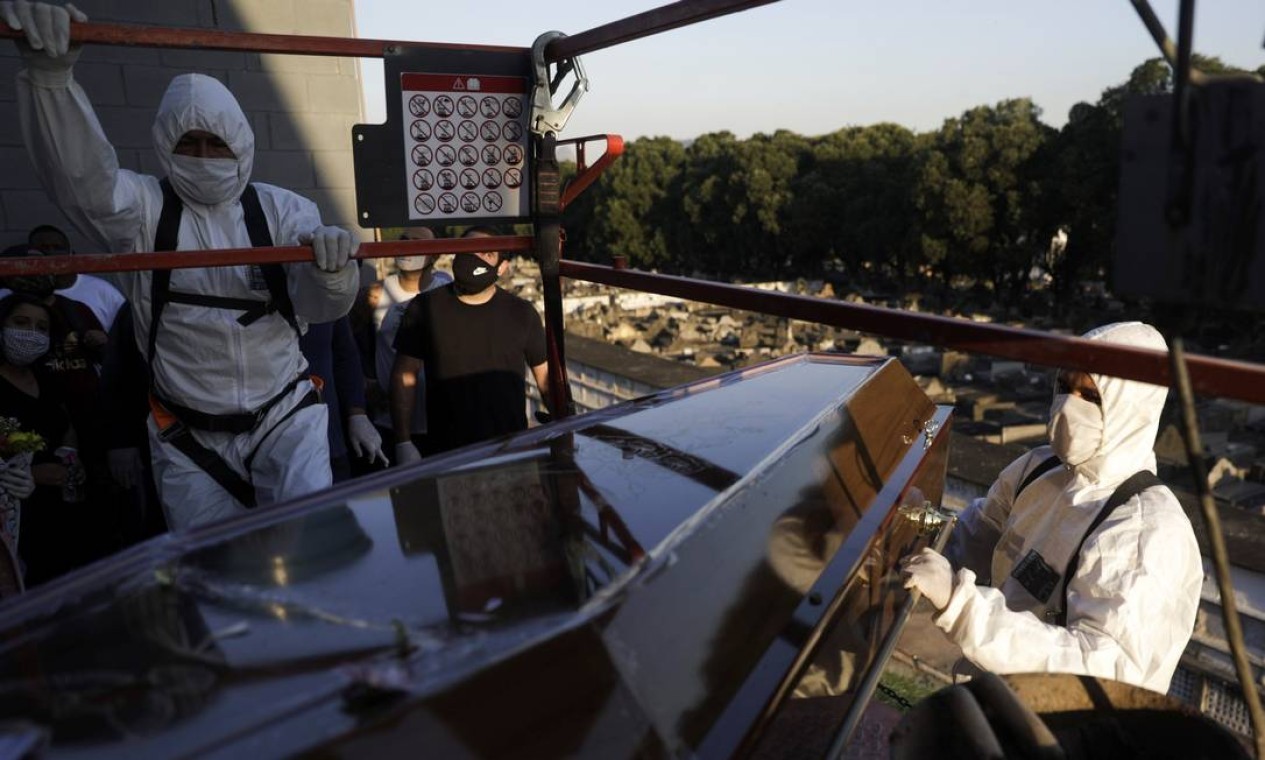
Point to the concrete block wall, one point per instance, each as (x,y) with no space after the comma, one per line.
(301,108)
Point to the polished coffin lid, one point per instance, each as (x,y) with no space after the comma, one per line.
(643,580)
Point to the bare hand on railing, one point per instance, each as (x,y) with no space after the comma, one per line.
(47,27)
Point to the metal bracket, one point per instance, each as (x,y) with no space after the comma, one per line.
(545,118)
(587,174)
(928,517)
(926,429)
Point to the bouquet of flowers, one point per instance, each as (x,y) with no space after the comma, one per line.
(14,440)
(17,446)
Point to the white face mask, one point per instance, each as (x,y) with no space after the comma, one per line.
(1076,429)
(204,180)
(23,347)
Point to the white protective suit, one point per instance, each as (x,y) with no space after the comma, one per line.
(1133,598)
(205,359)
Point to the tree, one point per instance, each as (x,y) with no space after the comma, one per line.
(853,203)
(978,190)
(629,209)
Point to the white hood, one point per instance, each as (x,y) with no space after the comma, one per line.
(197,101)
(1131,409)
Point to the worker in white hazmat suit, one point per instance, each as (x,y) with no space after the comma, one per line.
(236,421)
(1086,564)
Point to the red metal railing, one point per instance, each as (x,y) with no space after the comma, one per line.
(89,263)
(132,35)
(587,174)
(662,19)
(1211,377)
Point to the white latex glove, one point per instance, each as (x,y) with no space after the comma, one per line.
(930,573)
(17,480)
(332,247)
(47,28)
(406,453)
(125,466)
(365,440)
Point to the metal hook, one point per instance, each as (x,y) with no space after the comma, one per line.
(545,118)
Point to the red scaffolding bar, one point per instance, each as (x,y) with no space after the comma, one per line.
(661,19)
(88,263)
(1210,376)
(133,35)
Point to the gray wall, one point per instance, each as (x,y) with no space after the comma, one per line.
(301,108)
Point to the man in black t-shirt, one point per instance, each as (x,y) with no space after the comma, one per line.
(474,340)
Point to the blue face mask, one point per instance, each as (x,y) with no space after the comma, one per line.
(23,347)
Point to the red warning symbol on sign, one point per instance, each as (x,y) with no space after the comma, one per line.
(459,84)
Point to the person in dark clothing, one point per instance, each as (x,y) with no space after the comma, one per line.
(70,370)
(474,341)
(330,349)
(124,398)
(52,532)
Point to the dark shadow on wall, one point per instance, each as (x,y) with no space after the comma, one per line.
(300,107)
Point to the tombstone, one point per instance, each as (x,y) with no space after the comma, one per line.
(870,347)
(624,332)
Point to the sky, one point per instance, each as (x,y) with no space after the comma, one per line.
(814,66)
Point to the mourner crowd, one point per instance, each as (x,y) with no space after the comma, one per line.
(82,429)
(173,398)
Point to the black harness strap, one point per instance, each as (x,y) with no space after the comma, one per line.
(311,398)
(211,463)
(274,274)
(1036,472)
(178,434)
(166,238)
(226,423)
(1136,484)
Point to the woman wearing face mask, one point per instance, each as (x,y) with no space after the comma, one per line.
(49,537)
(1086,563)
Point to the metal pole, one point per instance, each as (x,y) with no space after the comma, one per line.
(866,688)
(86,263)
(662,19)
(1211,376)
(1216,541)
(130,35)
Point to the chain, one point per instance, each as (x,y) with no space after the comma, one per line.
(893,695)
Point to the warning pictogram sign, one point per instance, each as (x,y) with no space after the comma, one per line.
(467,135)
